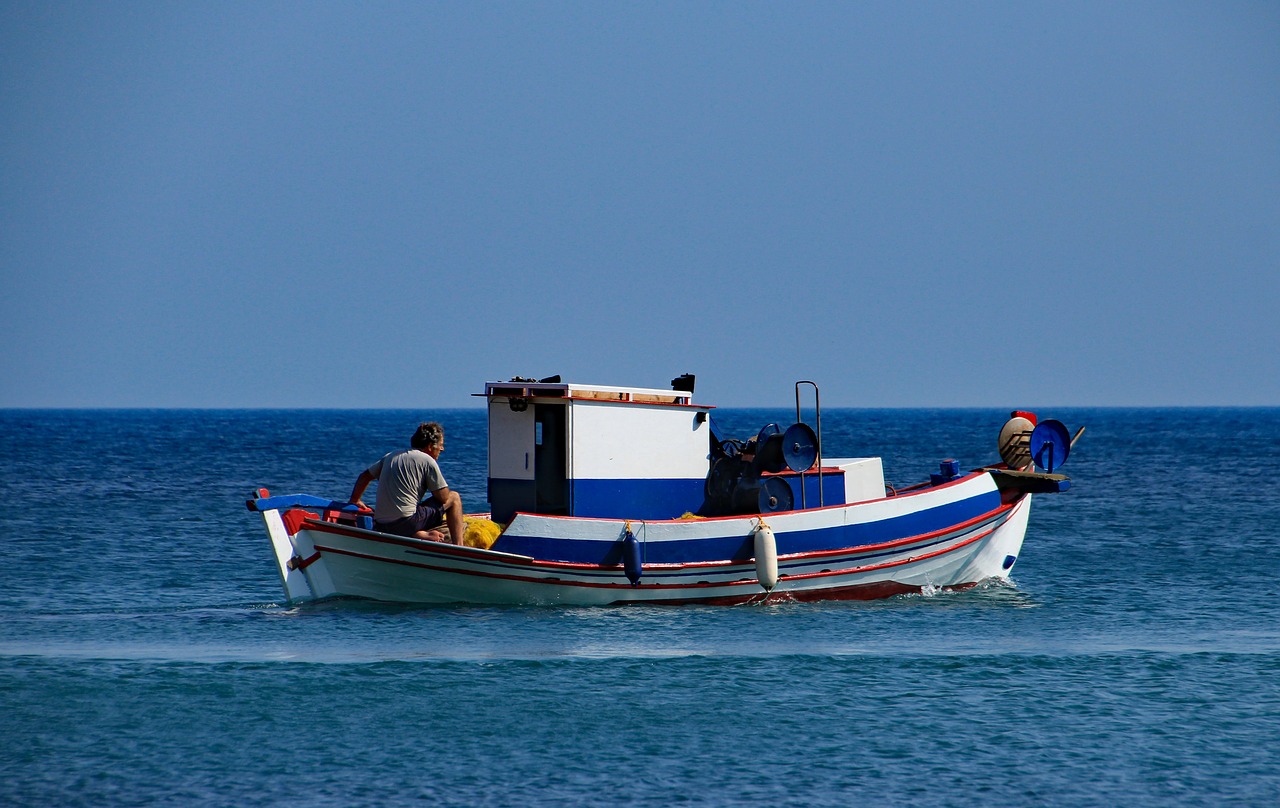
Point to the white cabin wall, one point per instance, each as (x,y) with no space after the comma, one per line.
(631,441)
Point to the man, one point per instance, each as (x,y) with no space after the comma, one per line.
(404,478)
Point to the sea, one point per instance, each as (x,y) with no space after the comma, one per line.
(148,657)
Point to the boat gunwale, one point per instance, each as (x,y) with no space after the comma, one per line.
(626,585)
(480,554)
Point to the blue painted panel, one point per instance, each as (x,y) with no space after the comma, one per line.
(832,489)
(603,499)
(636,499)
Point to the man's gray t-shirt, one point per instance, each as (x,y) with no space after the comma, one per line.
(404,479)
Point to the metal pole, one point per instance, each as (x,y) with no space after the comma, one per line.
(817,405)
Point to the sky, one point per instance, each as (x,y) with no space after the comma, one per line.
(384,205)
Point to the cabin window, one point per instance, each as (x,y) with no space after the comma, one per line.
(537,433)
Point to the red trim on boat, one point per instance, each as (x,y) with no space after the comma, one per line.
(871,591)
(887,564)
(546,395)
(654,586)
(888,545)
(299,563)
(317,526)
(488,555)
(295,518)
(867,591)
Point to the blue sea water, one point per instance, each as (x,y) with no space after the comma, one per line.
(146,656)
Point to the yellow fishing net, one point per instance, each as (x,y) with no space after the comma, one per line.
(481,533)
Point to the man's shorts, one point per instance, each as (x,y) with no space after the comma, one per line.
(429,515)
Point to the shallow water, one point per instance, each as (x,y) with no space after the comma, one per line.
(146,656)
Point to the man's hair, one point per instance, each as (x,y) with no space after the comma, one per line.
(427,435)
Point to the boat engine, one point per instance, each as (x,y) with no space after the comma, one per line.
(739,480)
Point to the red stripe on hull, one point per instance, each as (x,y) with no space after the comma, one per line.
(470,553)
(866,591)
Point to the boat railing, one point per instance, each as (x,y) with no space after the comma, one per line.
(817,406)
(331,510)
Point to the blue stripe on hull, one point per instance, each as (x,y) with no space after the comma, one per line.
(740,549)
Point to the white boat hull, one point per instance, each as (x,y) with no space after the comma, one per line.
(891,546)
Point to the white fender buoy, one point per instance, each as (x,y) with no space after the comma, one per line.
(766,549)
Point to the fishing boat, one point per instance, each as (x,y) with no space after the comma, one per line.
(603,495)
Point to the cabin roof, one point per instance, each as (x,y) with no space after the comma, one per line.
(590,392)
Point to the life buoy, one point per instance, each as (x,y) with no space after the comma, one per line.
(766,552)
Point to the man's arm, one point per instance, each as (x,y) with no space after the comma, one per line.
(357,491)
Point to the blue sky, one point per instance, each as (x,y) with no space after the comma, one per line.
(384,204)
